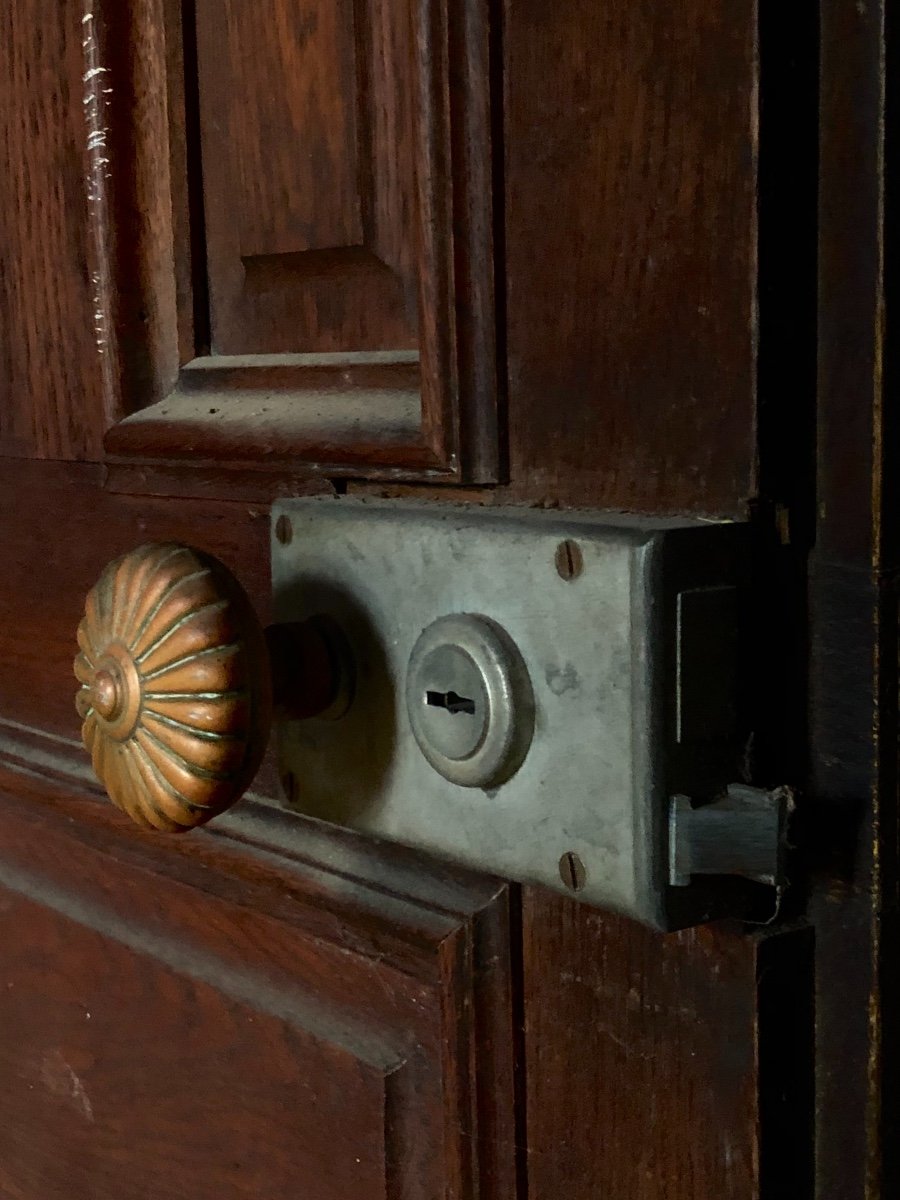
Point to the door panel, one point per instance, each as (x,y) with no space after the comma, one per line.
(515,246)
(852,856)
(67,528)
(701,1052)
(310,180)
(227,1019)
(292,220)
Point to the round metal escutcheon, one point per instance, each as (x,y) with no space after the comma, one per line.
(470,701)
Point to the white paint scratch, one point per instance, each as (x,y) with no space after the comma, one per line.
(96,101)
(60,1080)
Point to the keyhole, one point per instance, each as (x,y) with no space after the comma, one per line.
(451,702)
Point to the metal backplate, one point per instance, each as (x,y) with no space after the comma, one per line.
(600,612)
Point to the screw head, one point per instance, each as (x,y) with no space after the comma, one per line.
(284,530)
(569,560)
(572,872)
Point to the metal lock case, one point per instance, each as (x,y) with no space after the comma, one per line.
(536,694)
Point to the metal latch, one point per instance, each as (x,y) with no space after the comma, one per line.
(531,690)
(742,833)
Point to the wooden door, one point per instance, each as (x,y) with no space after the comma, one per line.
(619,255)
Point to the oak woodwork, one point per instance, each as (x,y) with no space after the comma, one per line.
(685,1008)
(53,402)
(77,527)
(631,233)
(232,1019)
(562,942)
(175,691)
(181,1016)
(301,189)
(310,183)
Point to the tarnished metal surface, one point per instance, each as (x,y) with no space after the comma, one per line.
(743,833)
(601,646)
(469,700)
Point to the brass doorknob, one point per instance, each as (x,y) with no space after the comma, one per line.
(175,686)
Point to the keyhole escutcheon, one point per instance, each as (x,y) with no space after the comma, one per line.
(451,701)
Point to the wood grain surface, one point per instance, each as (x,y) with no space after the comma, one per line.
(631,252)
(215,226)
(613,193)
(643,1010)
(310,179)
(197,1024)
(53,402)
(852,819)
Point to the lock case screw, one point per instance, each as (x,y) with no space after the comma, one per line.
(572,872)
(569,560)
(284,530)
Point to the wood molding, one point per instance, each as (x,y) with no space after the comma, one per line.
(851,823)
(365,875)
(383,979)
(210,231)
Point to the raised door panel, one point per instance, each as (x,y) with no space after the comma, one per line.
(220,1017)
(265,996)
(252,236)
(310,190)
(315,217)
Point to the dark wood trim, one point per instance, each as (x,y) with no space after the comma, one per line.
(392,877)
(439,420)
(645,1057)
(335,413)
(335,374)
(398,964)
(631,253)
(370,433)
(851,826)
(188,481)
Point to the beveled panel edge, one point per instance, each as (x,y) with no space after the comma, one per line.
(375,434)
(455,437)
(401,905)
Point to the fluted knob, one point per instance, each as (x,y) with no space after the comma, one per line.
(175,686)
